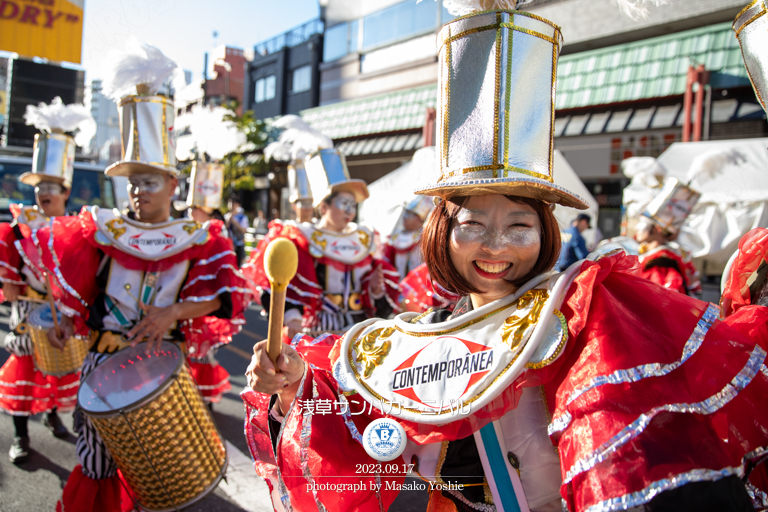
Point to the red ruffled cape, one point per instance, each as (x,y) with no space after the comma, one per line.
(651,391)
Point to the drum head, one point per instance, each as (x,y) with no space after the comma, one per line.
(128,378)
(42,318)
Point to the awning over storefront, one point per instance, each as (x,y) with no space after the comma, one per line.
(651,68)
(392,112)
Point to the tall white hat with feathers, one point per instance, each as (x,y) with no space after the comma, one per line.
(54,151)
(213,137)
(675,200)
(136,74)
(296,141)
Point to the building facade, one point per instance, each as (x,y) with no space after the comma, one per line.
(106,142)
(228,81)
(284,74)
(621,84)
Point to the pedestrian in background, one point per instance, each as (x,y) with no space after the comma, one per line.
(574,245)
(237,224)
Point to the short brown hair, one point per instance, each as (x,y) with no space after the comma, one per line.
(436,237)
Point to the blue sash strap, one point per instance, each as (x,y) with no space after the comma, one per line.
(499,469)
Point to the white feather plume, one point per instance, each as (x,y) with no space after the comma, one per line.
(637,9)
(296,141)
(709,165)
(210,133)
(56,116)
(137,63)
(463,7)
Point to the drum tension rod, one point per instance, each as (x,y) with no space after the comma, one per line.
(157,475)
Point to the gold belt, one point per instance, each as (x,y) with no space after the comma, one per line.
(354,302)
(107,342)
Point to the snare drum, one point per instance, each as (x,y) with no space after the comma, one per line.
(49,359)
(155,424)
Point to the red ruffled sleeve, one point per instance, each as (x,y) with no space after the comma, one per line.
(421,293)
(208,278)
(10,261)
(654,392)
(319,451)
(391,288)
(753,250)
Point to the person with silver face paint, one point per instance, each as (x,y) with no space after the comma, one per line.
(339,281)
(139,277)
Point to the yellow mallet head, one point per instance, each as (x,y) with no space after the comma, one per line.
(281,259)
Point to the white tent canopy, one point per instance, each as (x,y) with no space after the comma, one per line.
(731,204)
(382,210)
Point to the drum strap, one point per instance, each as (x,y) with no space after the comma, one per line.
(112,308)
(149,292)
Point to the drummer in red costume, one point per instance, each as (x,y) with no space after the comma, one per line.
(339,281)
(591,388)
(138,276)
(24,390)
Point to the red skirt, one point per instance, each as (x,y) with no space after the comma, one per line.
(24,390)
(212,380)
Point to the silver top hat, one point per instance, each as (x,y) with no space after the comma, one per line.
(420,206)
(327,173)
(496,107)
(298,183)
(672,205)
(205,187)
(146,129)
(53,160)
(751,28)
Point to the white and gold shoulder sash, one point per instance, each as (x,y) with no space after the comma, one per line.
(441,372)
(349,248)
(150,242)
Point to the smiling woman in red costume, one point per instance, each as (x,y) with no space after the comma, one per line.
(591,387)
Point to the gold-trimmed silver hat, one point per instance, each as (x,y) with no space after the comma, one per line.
(147,136)
(672,205)
(206,184)
(420,206)
(327,173)
(751,27)
(298,183)
(496,107)
(53,160)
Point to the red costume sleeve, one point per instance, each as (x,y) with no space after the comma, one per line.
(420,292)
(667,277)
(388,253)
(320,450)
(304,290)
(208,278)
(753,250)
(651,392)
(10,261)
(391,288)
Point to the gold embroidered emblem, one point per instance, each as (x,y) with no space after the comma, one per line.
(370,354)
(30,213)
(191,227)
(319,241)
(514,327)
(364,238)
(112,227)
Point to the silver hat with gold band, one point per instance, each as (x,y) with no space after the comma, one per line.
(298,183)
(672,205)
(496,108)
(751,27)
(420,206)
(147,136)
(327,173)
(206,185)
(53,160)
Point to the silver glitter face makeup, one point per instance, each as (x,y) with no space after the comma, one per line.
(346,205)
(150,183)
(47,187)
(521,232)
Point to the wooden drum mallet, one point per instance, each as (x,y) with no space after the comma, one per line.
(281,260)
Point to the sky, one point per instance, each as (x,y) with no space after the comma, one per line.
(183,29)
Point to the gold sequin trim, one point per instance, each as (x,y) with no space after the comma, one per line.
(508,98)
(496,26)
(506,168)
(751,20)
(497,93)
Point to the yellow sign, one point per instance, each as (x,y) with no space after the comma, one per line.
(3,107)
(50,29)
